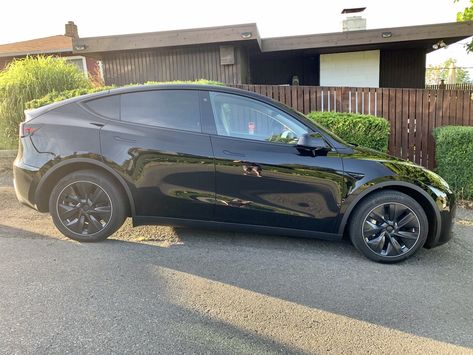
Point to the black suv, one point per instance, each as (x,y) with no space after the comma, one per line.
(220,157)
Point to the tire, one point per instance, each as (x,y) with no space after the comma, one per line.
(388,226)
(87,206)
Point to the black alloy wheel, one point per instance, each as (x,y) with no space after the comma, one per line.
(84,208)
(388,226)
(87,206)
(391,229)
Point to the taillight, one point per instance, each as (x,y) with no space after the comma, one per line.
(25,130)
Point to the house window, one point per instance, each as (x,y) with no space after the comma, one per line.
(79,62)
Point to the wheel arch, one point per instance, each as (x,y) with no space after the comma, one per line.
(55,173)
(414,191)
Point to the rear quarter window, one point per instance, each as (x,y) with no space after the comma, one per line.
(108,106)
(177,109)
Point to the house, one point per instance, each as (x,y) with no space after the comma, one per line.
(386,57)
(59,45)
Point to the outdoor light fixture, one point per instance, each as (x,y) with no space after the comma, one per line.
(246,35)
(80,47)
(439,44)
(386,34)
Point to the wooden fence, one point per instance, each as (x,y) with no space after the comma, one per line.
(412,113)
(464,86)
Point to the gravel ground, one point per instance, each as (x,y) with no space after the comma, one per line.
(165,290)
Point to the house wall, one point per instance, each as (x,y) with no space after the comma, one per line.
(403,68)
(279,68)
(356,69)
(167,64)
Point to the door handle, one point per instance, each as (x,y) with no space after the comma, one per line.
(121,139)
(234,154)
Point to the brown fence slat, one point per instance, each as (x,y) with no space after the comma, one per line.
(418,127)
(411,124)
(459,109)
(300,99)
(319,99)
(431,125)
(467,113)
(313,98)
(405,124)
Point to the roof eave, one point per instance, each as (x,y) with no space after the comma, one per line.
(208,35)
(370,37)
(25,53)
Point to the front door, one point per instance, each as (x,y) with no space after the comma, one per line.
(261,178)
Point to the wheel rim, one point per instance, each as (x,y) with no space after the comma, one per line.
(84,208)
(391,229)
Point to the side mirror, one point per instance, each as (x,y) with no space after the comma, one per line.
(312,144)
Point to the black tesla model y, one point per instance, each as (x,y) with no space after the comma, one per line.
(209,156)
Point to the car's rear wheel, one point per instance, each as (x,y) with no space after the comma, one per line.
(87,206)
(388,226)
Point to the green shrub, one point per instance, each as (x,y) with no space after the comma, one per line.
(454,156)
(59,96)
(364,130)
(63,95)
(30,78)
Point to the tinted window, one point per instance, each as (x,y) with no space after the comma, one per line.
(237,116)
(177,109)
(107,106)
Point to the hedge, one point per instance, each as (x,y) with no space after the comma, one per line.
(454,156)
(59,96)
(364,130)
(31,78)
(63,95)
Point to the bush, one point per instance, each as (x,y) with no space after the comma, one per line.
(59,96)
(364,130)
(31,78)
(454,155)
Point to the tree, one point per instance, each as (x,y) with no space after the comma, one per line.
(434,74)
(466,15)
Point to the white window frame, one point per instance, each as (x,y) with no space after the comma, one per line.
(84,62)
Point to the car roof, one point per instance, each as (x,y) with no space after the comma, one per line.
(148,87)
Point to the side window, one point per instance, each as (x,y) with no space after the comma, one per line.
(108,106)
(178,109)
(240,117)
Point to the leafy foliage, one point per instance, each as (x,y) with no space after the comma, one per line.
(454,156)
(466,15)
(31,78)
(59,96)
(434,74)
(364,130)
(63,95)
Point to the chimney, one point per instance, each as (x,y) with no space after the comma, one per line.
(353,22)
(71,30)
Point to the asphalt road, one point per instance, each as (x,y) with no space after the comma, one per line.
(160,290)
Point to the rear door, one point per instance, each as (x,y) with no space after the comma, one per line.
(157,144)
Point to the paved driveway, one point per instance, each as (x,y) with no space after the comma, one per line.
(156,289)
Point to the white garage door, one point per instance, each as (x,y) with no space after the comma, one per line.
(359,69)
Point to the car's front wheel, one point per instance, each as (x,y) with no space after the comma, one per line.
(388,226)
(87,206)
